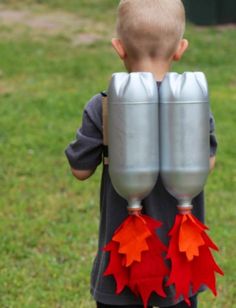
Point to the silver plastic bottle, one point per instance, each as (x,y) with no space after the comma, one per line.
(133,135)
(184,137)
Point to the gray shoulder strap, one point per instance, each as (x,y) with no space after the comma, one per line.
(105,127)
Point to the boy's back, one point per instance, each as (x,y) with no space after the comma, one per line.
(86,152)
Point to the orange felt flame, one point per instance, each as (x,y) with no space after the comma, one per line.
(132,236)
(190,238)
(192,263)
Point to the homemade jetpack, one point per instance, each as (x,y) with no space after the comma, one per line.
(137,256)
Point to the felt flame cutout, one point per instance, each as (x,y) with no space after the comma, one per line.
(136,257)
(192,263)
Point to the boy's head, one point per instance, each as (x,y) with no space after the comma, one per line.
(150,28)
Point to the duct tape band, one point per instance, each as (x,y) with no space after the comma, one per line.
(133,211)
(134,205)
(186,209)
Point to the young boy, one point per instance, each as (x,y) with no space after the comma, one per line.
(150,37)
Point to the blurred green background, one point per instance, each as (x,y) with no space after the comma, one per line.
(54,55)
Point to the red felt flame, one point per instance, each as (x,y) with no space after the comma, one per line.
(136,257)
(147,276)
(115,267)
(192,263)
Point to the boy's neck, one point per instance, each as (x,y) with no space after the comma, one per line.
(158,68)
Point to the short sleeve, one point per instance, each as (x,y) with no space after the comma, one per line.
(213,141)
(85,152)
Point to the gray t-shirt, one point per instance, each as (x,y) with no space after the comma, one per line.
(86,153)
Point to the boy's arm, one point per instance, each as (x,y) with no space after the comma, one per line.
(212,162)
(84,154)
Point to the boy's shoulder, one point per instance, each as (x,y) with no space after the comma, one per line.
(93,110)
(95,103)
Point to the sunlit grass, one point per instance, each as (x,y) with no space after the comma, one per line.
(49,221)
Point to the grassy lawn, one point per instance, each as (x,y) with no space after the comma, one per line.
(54,55)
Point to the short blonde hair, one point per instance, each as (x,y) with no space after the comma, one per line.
(150,27)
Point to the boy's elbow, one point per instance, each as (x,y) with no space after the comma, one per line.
(82,174)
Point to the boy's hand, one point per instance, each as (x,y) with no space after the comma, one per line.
(212,162)
(82,174)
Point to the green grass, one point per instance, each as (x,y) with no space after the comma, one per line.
(49,221)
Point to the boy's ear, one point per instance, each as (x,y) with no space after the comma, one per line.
(119,48)
(183,45)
